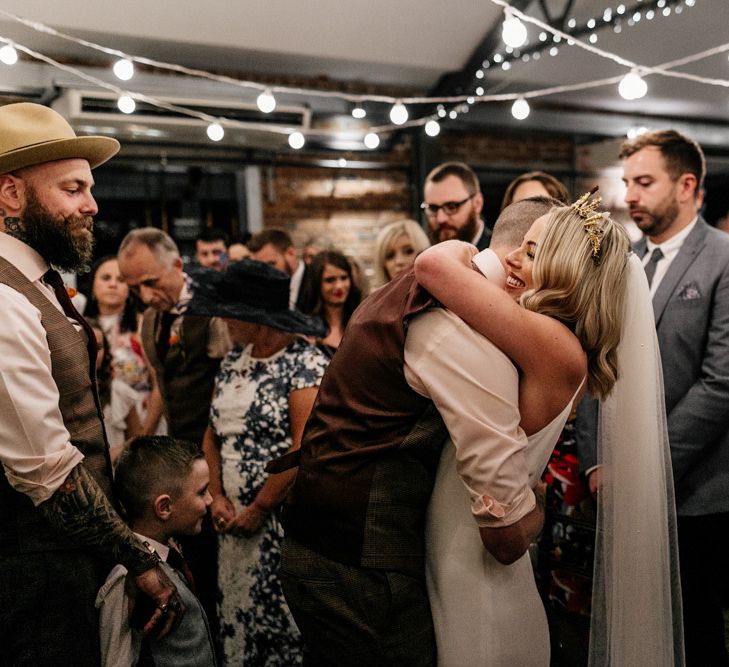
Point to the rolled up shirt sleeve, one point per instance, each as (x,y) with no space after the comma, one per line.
(35,446)
(475,387)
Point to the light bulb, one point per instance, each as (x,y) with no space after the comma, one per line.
(513,32)
(632,86)
(8,55)
(399,113)
(124,69)
(266,101)
(432,128)
(215,132)
(634,132)
(358,112)
(126,104)
(520,109)
(371,140)
(296,140)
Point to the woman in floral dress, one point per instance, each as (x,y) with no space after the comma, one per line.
(263,394)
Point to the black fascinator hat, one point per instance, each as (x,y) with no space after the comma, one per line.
(253,292)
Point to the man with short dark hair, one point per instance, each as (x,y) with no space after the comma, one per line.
(353,563)
(453,203)
(687,264)
(275,247)
(210,248)
(59,531)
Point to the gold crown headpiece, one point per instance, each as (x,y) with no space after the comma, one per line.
(586,207)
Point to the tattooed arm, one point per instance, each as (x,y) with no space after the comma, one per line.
(81,510)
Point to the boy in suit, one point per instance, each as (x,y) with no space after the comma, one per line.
(162,484)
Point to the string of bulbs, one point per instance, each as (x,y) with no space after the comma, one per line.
(514,33)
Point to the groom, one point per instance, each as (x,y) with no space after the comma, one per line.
(353,559)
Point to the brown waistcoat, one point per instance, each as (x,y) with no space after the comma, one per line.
(371,446)
(187,376)
(23,528)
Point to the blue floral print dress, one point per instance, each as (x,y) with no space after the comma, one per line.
(250,416)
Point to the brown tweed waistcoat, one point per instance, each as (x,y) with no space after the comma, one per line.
(371,445)
(187,376)
(22,527)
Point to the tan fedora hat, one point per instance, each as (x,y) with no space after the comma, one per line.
(31,134)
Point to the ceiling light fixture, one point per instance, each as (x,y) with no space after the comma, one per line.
(632,86)
(215,132)
(296,140)
(371,140)
(8,55)
(266,101)
(432,128)
(513,31)
(520,109)
(126,104)
(123,69)
(399,113)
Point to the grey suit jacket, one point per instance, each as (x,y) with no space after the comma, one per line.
(691,307)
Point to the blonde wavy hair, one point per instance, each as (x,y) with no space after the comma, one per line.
(586,293)
(417,237)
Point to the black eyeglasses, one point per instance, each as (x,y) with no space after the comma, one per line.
(449,207)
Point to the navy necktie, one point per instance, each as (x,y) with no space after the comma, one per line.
(650,267)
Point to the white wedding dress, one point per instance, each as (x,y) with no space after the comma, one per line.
(485,614)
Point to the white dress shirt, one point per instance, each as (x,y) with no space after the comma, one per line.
(35,446)
(669,249)
(296,279)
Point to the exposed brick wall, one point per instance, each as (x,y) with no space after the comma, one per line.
(347,208)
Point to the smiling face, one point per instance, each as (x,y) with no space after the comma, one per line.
(54,211)
(520,262)
(189,506)
(335,285)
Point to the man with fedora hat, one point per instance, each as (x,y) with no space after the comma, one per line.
(59,530)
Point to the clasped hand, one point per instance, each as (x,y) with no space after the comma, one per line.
(243,524)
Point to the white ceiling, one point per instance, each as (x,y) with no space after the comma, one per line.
(408,43)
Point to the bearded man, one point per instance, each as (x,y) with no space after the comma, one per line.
(453,204)
(59,530)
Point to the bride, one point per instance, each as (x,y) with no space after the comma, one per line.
(586,322)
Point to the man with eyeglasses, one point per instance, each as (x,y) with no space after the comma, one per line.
(453,203)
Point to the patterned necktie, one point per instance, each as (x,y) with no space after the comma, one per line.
(650,267)
(53,278)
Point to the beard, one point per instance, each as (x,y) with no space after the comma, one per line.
(446,232)
(658,220)
(66,243)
